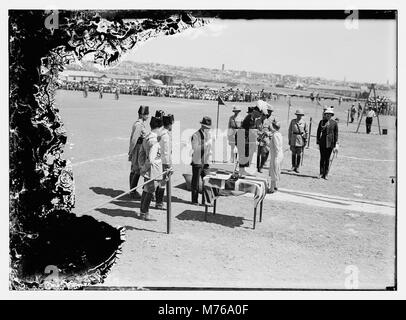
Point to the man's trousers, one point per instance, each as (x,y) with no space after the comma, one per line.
(325,154)
(198,172)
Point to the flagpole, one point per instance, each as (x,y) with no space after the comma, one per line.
(217,126)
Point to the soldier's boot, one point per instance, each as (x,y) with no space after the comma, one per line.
(195,197)
(264,159)
(293,161)
(159,198)
(321,175)
(146,198)
(298,158)
(134,178)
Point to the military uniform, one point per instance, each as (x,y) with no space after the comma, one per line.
(151,168)
(297,135)
(165,142)
(264,135)
(138,133)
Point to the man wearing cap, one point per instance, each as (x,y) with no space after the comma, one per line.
(201,148)
(327,139)
(152,166)
(353,111)
(323,115)
(165,142)
(369,118)
(138,133)
(247,139)
(234,123)
(297,135)
(264,135)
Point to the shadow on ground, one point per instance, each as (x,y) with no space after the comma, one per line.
(291,173)
(224,220)
(119,213)
(110,192)
(131,228)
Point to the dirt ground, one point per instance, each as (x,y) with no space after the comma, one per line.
(295,246)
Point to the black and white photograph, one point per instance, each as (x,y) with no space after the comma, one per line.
(202,149)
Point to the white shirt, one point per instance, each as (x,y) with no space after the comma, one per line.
(370,114)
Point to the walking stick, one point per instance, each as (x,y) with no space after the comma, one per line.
(331,161)
(301,162)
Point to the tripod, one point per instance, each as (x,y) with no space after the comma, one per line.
(371,88)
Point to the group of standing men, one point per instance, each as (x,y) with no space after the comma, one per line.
(150,154)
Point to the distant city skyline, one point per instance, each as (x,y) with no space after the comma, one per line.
(306,48)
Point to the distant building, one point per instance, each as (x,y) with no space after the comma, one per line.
(337,90)
(78,76)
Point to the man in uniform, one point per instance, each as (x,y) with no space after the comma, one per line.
(100,91)
(327,139)
(151,169)
(297,135)
(201,147)
(165,143)
(264,135)
(138,133)
(234,124)
(247,139)
(369,119)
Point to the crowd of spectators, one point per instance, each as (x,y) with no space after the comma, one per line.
(189,91)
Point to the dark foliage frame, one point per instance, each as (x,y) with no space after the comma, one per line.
(43,229)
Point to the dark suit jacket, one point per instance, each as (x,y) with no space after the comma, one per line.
(327,134)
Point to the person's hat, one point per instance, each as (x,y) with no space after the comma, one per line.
(329,111)
(276,124)
(159,113)
(156,122)
(143,110)
(299,112)
(235,109)
(168,119)
(206,121)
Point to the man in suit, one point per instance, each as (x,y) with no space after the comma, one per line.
(201,147)
(327,139)
(138,133)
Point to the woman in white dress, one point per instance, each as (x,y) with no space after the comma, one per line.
(276,152)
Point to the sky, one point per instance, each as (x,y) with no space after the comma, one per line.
(323,48)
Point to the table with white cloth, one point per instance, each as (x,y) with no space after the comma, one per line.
(213,183)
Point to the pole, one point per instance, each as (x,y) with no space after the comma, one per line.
(310,132)
(376,107)
(168,205)
(288,113)
(363,109)
(217,126)
(348,116)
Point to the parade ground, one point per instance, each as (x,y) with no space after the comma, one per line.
(314,234)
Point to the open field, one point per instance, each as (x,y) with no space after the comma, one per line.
(296,246)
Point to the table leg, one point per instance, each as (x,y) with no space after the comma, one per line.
(255,217)
(260,211)
(215,206)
